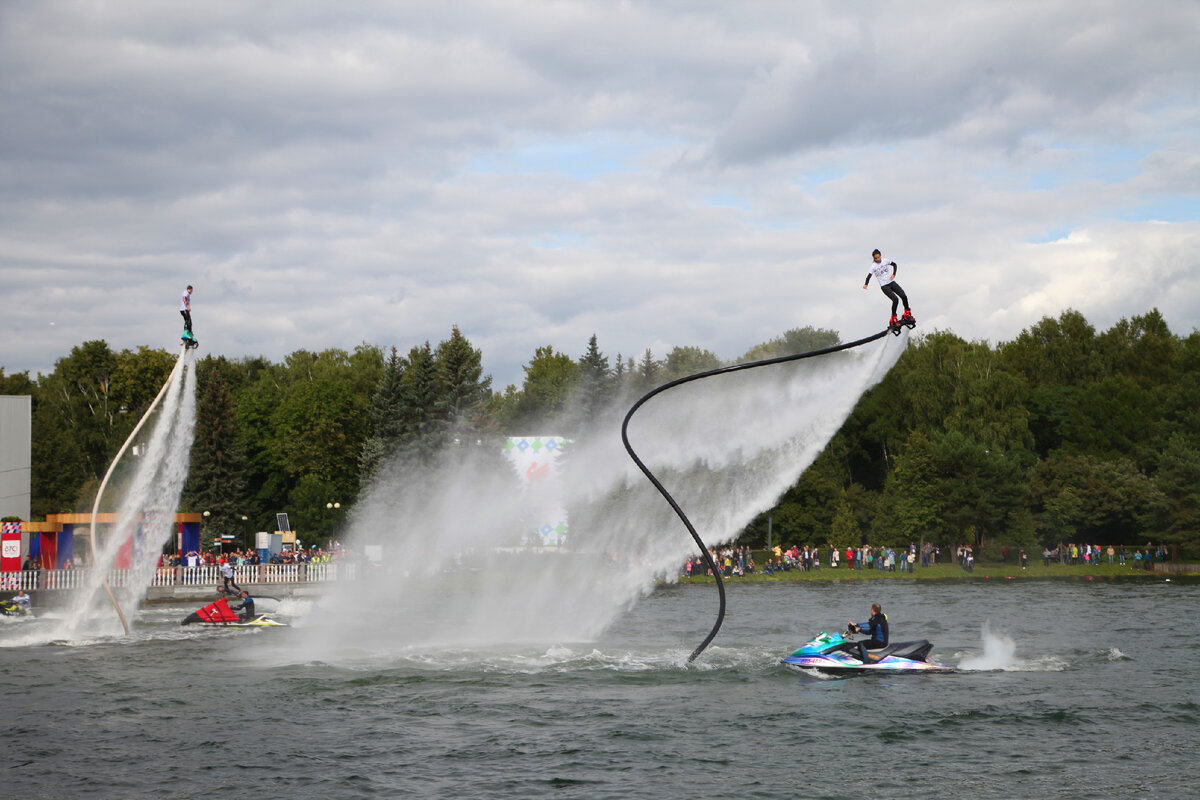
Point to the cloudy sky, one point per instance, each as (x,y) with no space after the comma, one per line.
(656,173)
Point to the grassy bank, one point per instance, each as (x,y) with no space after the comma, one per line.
(1035,571)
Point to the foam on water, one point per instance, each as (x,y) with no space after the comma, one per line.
(1000,653)
(726,447)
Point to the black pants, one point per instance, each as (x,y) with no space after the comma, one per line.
(187,318)
(229,582)
(870,644)
(892,290)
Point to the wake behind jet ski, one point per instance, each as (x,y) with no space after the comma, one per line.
(838,654)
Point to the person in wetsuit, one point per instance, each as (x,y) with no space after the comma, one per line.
(246,607)
(876,627)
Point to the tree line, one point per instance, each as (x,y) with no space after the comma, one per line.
(1062,434)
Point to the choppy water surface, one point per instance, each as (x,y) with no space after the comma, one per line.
(1073,690)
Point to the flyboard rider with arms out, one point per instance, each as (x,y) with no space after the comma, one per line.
(885,273)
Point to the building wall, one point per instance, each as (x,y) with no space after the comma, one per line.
(16,459)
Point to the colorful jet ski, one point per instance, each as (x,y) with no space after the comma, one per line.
(219,614)
(11,608)
(837,654)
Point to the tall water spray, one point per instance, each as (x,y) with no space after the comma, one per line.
(726,448)
(145,502)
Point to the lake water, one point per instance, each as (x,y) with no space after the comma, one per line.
(1069,690)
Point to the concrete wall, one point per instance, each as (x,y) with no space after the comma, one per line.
(16,459)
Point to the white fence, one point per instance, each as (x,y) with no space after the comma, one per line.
(32,580)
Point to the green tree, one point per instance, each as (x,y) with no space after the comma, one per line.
(216,475)
(386,414)
(1178,481)
(845,531)
(684,361)
(1061,351)
(16,384)
(460,370)
(911,506)
(1102,501)
(595,385)
(550,379)
(648,374)
(793,342)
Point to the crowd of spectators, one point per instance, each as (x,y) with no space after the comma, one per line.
(737,560)
(731,560)
(250,557)
(1072,554)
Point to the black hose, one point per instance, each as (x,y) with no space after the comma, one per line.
(708,559)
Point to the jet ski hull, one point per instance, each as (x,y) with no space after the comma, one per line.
(261,621)
(834,654)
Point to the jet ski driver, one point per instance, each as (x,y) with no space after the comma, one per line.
(247,607)
(877,627)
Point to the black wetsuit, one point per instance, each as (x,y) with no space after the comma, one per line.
(877,626)
(247,609)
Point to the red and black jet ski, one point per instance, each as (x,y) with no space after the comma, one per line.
(219,614)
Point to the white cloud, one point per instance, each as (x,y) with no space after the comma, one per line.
(656,174)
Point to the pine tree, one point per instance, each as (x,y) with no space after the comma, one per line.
(216,478)
(424,408)
(593,391)
(466,390)
(386,414)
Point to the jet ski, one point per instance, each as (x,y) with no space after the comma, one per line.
(11,608)
(837,654)
(220,615)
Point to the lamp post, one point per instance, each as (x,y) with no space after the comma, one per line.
(245,532)
(334,509)
(206,515)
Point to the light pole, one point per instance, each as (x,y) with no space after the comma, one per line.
(334,509)
(206,515)
(245,532)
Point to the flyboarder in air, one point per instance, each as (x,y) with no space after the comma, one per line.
(185,310)
(885,272)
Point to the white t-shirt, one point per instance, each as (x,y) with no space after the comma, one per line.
(882,271)
(185,301)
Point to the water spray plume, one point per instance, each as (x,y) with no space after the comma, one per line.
(457,571)
(708,559)
(147,505)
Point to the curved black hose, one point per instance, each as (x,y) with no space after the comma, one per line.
(708,559)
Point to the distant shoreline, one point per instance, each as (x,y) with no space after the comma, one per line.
(952,572)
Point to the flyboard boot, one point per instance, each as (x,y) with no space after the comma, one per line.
(894,325)
(189,339)
(908,318)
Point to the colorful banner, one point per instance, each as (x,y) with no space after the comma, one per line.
(10,547)
(534,457)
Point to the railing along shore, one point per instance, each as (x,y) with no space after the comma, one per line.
(249,574)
